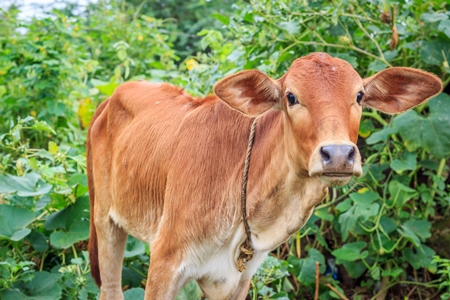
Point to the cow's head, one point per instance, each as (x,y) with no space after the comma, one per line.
(322,99)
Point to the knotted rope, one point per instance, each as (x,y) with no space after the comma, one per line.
(246,248)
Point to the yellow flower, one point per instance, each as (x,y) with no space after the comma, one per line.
(191,64)
(363,190)
(140,37)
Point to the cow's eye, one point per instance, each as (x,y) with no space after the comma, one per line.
(291,99)
(359,97)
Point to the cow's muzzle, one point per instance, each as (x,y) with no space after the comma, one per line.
(335,163)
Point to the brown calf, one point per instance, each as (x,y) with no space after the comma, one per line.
(167,168)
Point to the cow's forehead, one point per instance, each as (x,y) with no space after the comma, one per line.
(322,69)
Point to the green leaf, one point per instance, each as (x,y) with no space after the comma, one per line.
(429,132)
(7,184)
(43,126)
(324,214)
(392,273)
(42,202)
(45,154)
(344,205)
(134,294)
(400,193)
(366,128)
(351,252)
(362,209)
(132,275)
(444,27)
(13,221)
(376,66)
(44,286)
(305,268)
(31,184)
(348,221)
(390,55)
(381,135)
(353,60)
(387,224)
(189,291)
(235,55)
(222,18)
(134,247)
(364,198)
(420,229)
(106,88)
(375,273)
(308,269)
(407,162)
(291,27)
(435,52)
(354,268)
(66,217)
(79,231)
(421,257)
(2,90)
(20,234)
(38,241)
(122,54)
(433,17)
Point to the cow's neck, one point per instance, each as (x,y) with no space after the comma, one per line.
(280,196)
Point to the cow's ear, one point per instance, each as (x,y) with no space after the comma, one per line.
(397,89)
(250,92)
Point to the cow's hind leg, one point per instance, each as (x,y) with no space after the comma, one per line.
(111,247)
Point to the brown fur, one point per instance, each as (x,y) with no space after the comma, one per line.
(167,168)
(93,247)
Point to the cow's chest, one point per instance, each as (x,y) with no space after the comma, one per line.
(217,272)
(275,219)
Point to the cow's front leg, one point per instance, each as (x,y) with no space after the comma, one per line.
(241,290)
(165,275)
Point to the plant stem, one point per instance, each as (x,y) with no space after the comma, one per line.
(336,291)
(297,244)
(76,256)
(374,115)
(41,267)
(440,170)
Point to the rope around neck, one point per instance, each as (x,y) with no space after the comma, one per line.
(246,248)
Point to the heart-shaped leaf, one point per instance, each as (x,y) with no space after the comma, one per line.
(13,222)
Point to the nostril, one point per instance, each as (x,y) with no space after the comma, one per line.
(325,154)
(352,154)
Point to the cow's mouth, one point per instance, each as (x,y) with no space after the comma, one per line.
(332,174)
(335,178)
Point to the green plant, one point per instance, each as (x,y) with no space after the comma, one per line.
(444,271)
(270,280)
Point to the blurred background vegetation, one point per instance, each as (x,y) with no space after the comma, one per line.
(385,235)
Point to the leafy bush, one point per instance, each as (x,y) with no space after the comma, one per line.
(370,238)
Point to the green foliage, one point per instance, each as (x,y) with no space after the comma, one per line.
(270,280)
(444,270)
(368,238)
